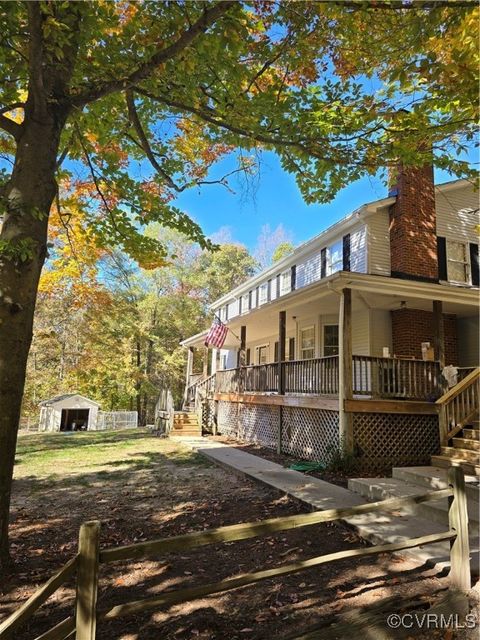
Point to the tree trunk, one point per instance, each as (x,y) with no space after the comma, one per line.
(27,200)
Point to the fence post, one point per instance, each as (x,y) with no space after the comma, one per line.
(458,521)
(87,580)
(443,425)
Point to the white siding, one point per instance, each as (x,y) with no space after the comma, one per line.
(361,333)
(358,250)
(457,214)
(379,243)
(308,271)
(233,309)
(380,331)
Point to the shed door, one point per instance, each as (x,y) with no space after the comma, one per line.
(74,419)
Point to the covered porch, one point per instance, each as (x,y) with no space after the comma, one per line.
(339,338)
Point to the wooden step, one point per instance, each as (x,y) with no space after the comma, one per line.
(463,454)
(466,443)
(446,461)
(435,478)
(436,511)
(471,434)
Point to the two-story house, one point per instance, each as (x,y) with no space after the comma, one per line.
(346,338)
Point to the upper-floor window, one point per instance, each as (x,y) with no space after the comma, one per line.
(307,342)
(285,282)
(253,298)
(263,293)
(244,303)
(222,313)
(458,263)
(335,257)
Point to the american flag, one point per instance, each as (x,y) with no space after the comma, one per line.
(217,334)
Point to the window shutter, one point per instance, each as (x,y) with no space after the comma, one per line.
(249,300)
(323,261)
(248,356)
(275,357)
(291,349)
(269,291)
(294,277)
(442,258)
(278,286)
(346,252)
(474,264)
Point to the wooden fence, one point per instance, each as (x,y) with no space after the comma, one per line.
(90,557)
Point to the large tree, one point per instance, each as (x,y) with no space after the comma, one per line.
(99,93)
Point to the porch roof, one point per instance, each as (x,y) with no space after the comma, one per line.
(370,291)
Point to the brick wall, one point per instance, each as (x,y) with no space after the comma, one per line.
(411,327)
(413,233)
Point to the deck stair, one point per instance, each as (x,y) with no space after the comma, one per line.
(409,481)
(186,424)
(464,452)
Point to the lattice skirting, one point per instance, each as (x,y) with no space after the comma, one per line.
(227,418)
(309,433)
(383,440)
(208,416)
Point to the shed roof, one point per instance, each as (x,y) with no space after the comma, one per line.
(65,396)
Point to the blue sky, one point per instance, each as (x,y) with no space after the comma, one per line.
(274,200)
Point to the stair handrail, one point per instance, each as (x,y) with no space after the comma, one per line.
(450,423)
(459,387)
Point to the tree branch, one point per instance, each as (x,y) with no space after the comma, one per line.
(137,125)
(10,126)
(208,17)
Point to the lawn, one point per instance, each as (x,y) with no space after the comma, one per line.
(143,487)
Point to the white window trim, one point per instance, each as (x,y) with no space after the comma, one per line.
(466,246)
(288,274)
(300,341)
(267,352)
(263,288)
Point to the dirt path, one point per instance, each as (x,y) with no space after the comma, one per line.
(142,487)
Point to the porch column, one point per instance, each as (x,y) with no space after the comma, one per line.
(189,364)
(345,367)
(213,364)
(282,334)
(439,333)
(205,362)
(242,351)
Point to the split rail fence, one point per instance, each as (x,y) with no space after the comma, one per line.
(86,564)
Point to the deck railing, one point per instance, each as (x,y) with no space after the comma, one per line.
(316,375)
(371,377)
(396,378)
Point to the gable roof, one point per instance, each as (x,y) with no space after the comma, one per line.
(65,396)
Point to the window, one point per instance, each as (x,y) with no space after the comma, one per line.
(244,303)
(285,282)
(262,354)
(253,298)
(335,257)
(458,265)
(307,343)
(330,340)
(263,293)
(291,349)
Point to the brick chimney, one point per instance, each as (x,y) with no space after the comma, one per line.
(413,232)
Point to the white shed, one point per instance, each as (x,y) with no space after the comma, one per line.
(68,412)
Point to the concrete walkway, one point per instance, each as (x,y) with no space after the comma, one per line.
(377,528)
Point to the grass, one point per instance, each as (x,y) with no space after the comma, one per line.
(51,455)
